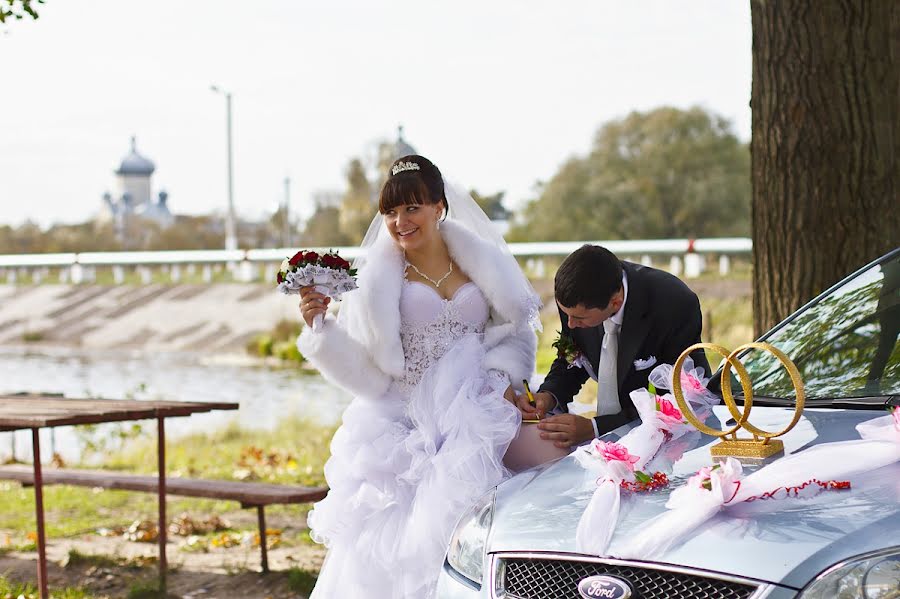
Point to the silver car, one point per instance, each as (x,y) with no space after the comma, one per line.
(518,541)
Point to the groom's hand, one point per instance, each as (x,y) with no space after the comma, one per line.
(566,430)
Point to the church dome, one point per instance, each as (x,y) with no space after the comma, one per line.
(135,164)
(401,147)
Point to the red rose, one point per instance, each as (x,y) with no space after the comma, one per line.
(328,260)
(311,256)
(296,259)
(344,264)
(280,278)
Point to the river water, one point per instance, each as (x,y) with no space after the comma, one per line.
(266,395)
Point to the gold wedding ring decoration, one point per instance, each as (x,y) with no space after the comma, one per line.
(763,443)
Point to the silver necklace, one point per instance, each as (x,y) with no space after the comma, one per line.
(437,283)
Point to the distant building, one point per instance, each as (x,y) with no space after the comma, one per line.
(401,147)
(133,195)
(388,153)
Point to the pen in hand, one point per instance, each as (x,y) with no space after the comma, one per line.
(531,401)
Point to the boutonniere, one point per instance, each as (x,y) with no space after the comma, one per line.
(568,351)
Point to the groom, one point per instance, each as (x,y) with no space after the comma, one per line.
(625,319)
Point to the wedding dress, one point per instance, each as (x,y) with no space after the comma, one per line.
(404,466)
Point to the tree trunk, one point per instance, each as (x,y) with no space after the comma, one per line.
(824,151)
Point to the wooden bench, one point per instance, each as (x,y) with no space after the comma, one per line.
(249,494)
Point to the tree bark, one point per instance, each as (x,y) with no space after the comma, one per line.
(824,151)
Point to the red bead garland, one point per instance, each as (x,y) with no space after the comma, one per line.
(657,481)
(828,485)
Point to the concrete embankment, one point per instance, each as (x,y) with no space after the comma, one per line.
(219,318)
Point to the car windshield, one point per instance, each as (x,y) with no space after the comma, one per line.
(845,344)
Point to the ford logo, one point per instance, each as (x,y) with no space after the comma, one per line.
(604,587)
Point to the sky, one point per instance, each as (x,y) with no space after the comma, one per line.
(497,93)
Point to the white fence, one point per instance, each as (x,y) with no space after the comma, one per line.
(684,255)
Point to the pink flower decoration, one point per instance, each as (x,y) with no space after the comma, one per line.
(702,478)
(691,382)
(896,414)
(614,452)
(668,409)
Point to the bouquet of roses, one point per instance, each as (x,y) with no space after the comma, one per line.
(330,274)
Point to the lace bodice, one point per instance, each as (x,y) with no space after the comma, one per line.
(430,325)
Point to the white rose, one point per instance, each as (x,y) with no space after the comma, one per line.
(285,265)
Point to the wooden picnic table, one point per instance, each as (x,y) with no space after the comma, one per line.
(24,411)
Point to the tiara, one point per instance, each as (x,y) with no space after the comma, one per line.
(404,166)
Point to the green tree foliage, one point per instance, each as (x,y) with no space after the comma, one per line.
(281,229)
(323,229)
(492,204)
(18,9)
(357,208)
(659,174)
(187,233)
(191,233)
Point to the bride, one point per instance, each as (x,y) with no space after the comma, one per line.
(432,346)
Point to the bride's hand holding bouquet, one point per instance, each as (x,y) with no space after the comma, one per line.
(317,278)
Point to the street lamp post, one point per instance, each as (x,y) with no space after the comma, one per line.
(287,213)
(230,220)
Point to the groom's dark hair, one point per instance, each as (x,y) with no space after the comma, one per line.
(589,276)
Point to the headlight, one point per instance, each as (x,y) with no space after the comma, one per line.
(467,545)
(875,576)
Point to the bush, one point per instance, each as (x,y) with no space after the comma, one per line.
(287,350)
(280,342)
(264,345)
(32,336)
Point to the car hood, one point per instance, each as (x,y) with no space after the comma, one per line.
(786,541)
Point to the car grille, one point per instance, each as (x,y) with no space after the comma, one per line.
(537,578)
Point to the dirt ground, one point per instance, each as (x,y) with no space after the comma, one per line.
(230,573)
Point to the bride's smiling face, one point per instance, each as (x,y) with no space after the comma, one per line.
(413,226)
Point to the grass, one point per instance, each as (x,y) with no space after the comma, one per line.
(726,322)
(294,453)
(26,591)
(301,581)
(145,589)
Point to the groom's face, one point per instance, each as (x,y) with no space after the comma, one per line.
(586,318)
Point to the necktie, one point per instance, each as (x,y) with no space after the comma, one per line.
(607,381)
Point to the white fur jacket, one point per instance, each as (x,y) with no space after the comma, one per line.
(361,350)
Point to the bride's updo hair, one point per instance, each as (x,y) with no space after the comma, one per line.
(412,179)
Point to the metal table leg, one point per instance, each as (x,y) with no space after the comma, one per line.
(39,513)
(264,556)
(161,466)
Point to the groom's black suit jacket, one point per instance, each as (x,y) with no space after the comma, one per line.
(662,318)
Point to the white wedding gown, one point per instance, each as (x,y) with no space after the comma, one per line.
(405,466)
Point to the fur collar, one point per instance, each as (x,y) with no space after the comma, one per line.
(495,272)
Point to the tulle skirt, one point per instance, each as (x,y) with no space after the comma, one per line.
(402,471)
